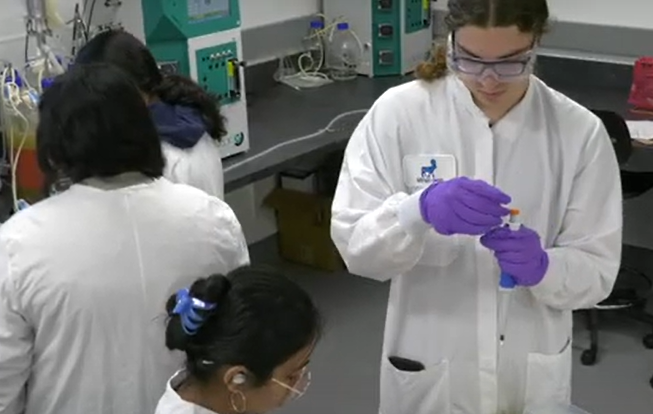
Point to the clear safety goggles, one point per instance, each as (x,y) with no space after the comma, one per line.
(298,389)
(504,70)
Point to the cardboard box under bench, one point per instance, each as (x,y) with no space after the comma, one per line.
(304,222)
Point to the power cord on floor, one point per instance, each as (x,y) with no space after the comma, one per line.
(328,129)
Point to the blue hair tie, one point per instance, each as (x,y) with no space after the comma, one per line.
(186,308)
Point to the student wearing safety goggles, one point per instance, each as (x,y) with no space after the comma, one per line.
(248,339)
(428,178)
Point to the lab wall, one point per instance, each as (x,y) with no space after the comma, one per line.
(609,30)
(255,14)
(12,29)
(634,14)
(615,30)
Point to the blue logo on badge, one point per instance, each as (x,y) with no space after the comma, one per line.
(428,172)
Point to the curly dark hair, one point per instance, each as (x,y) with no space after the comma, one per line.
(122,49)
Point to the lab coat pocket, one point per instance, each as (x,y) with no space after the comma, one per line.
(548,378)
(423,392)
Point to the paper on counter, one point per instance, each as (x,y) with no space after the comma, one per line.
(641,130)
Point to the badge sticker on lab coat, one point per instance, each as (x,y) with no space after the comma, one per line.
(422,170)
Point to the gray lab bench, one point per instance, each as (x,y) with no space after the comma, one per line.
(282,114)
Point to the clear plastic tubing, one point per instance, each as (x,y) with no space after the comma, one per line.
(313,45)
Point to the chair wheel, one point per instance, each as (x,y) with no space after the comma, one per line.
(588,357)
(648,341)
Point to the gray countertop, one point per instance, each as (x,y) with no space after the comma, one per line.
(281,114)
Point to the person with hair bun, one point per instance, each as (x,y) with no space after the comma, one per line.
(187,117)
(429,177)
(248,339)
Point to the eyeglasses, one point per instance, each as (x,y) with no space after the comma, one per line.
(509,69)
(298,389)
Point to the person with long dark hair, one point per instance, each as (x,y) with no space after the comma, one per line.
(186,117)
(84,273)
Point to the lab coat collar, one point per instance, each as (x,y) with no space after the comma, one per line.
(510,126)
(125,180)
(464,98)
(171,402)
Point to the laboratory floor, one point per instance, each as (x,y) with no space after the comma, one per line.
(345,365)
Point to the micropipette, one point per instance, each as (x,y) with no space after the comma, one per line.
(507,283)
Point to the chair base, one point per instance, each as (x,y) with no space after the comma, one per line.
(628,297)
(648,341)
(590,356)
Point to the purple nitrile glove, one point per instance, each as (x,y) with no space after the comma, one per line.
(519,253)
(463,206)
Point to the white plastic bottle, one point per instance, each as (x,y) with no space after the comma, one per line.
(344,54)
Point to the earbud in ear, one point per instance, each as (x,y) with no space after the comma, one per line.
(239,379)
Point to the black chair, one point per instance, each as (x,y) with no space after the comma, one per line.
(632,287)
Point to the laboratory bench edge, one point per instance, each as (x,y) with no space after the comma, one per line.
(279,115)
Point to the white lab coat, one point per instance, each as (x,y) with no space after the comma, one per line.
(172,403)
(556,161)
(84,278)
(199,166)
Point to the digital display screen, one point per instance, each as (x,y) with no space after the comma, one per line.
(207,9)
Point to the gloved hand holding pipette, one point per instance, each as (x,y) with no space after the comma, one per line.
(522,260)
(519,253)
(463,206)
